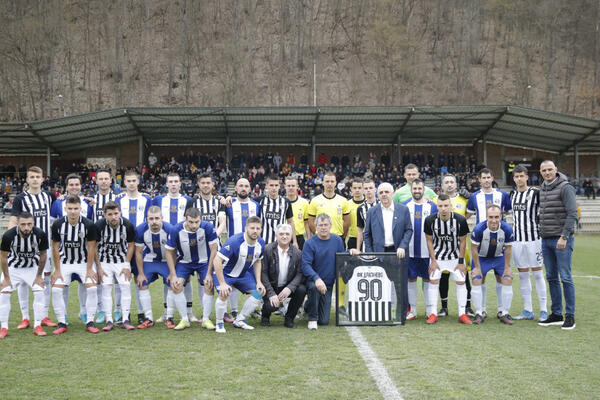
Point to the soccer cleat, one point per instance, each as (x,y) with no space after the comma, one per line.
(242,325)
(24,324)
(220,327)
(108,327)
(91,328)
(227,318)
(569,323)
(39,331)
(312,325)
(432,319)
(101,317)
(464,319)
(48,322)
(289,324)
(207,324)
(553,319)
(182,325)
(543,316)
(265,322)
(484,314)
(127,325)
(443,312)
(234,314)
(117,316)
(162,318)
(141,317)
(506,319)
(3,333)
(470,312)
(499,314)
(170,324)
(410,316)
(148,323)
(83,317)
(192,317)
(478,319)
(525,315)
(62,328)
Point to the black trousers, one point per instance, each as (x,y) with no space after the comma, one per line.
(296,299)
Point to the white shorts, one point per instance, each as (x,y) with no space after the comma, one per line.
(527,254)
(448,265)
(48,266)
(66,270)
(112,272)
(22,276)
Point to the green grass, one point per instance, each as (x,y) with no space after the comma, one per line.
(446,360)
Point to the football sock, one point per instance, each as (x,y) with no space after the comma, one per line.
(526,290)
(4,309)
(433,297)
(477,298)
(207,301)
(200,290)
(23,294)
(107,301)
(444,280)
(38,307)
(468,285)
(91,303)
(170,304)
(82,293)
(188,291)
(483,297)
(137,297)
(117,297)
(146,303)
(507,295)
(125,299)
(58,301)
(540,287)
(47,290)
(426,296)
(499,295)
(165,294)
(220,308)
(66,292)
(180,304)
(249,306)
(234,299)
(412,296)
(99,291)
(461,297)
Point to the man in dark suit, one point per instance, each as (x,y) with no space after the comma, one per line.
(282,277)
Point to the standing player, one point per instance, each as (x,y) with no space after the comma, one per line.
(23,257)
(361,214)
(492,240)
(38,203)
(275,210)
(418,262)
(358,198)
(116,236)
(74,249)
(299,209)
(527,248)
(477,205)
(191,246)
(446,233)
(411,172)
(240,253)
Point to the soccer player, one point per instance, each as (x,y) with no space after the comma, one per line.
(116,236)
(446,234)
(361,214)
(151,254)
(358,198)
(38,203)
(418,262)
(240,253)
(527,248)
(275,210)
(491,241)
(299,209)
(411,172)
(23,258)
(191,246)
(477,205)
(74,249)
(332,204)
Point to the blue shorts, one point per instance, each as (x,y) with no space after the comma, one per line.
(186,270)
(75,277)
(245,283)
(153,269)
(418,267)
(487,264)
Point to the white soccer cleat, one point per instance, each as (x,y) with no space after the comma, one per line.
(242,325)
(220,328)
(162,318)
(410,316)
(192,317)
(312,325)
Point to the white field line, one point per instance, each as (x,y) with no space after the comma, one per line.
(586,276)
(378,372)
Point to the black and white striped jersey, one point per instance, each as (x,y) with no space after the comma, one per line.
(73,239)
(274,212)
(113,243)
(361,213)
(525,206)
(38,205)
(445,235)
(210,209)
(24,252)
(100,201)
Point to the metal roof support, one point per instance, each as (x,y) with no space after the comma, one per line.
(48,170)
(576,155)
(227,137)
(493,124)
(314,137)
(136,128)
(141,150)
(587,135)
(484,150)
(398,140)
(40,137)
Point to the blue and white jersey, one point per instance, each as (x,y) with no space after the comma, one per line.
(172,208)
(153,244)
(238,214)
(418,212)
(491,244)
(135,210)
(479,201)
(192,247)
(239,256)
(59,209)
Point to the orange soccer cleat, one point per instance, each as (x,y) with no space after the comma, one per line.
(38,331)
(24,324)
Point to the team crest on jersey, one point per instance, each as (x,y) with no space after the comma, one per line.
(193,243)
(493,242)
(452,229)
(339,210)
(249,258)
(132,210)
(300,215)
(245,213)
(155,244)
(173,209)
(418,214)
(488,202)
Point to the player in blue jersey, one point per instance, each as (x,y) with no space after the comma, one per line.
(418,262)
(491,242)
(242,255)
(151,254)
(191,246)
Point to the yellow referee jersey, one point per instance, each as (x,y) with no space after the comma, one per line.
(299,209)
(353,229)
(336,207)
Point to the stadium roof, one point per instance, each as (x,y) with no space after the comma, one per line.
(422,125)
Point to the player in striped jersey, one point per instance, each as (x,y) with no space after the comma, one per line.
(361,214)
(74,249)
(418,262)
(23,257)
(299,210)
(446,234)
(242,255)
(151,254)
(527,248)
(275,210)
(477,205)
(492,240)
(38,203)
(116,236)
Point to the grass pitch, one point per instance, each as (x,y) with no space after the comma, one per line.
(446,360)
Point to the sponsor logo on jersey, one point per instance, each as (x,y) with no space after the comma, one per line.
(39,213)
(520,207)
(272,215)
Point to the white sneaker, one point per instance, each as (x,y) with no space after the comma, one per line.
(410,316)
(220,328)
(192,317)
(312,325)
(162,318)
(241,324)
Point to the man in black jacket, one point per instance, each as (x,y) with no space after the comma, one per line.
(282,277)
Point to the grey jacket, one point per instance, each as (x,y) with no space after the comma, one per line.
(270,269)
(558,208)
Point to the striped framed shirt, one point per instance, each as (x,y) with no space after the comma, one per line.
(446,235)
(525,207)
(24,252)
(113,243)
(73,239)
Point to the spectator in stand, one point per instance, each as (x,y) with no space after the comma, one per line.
(588,189)
(322,159)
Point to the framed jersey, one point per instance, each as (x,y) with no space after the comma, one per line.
(372,289)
